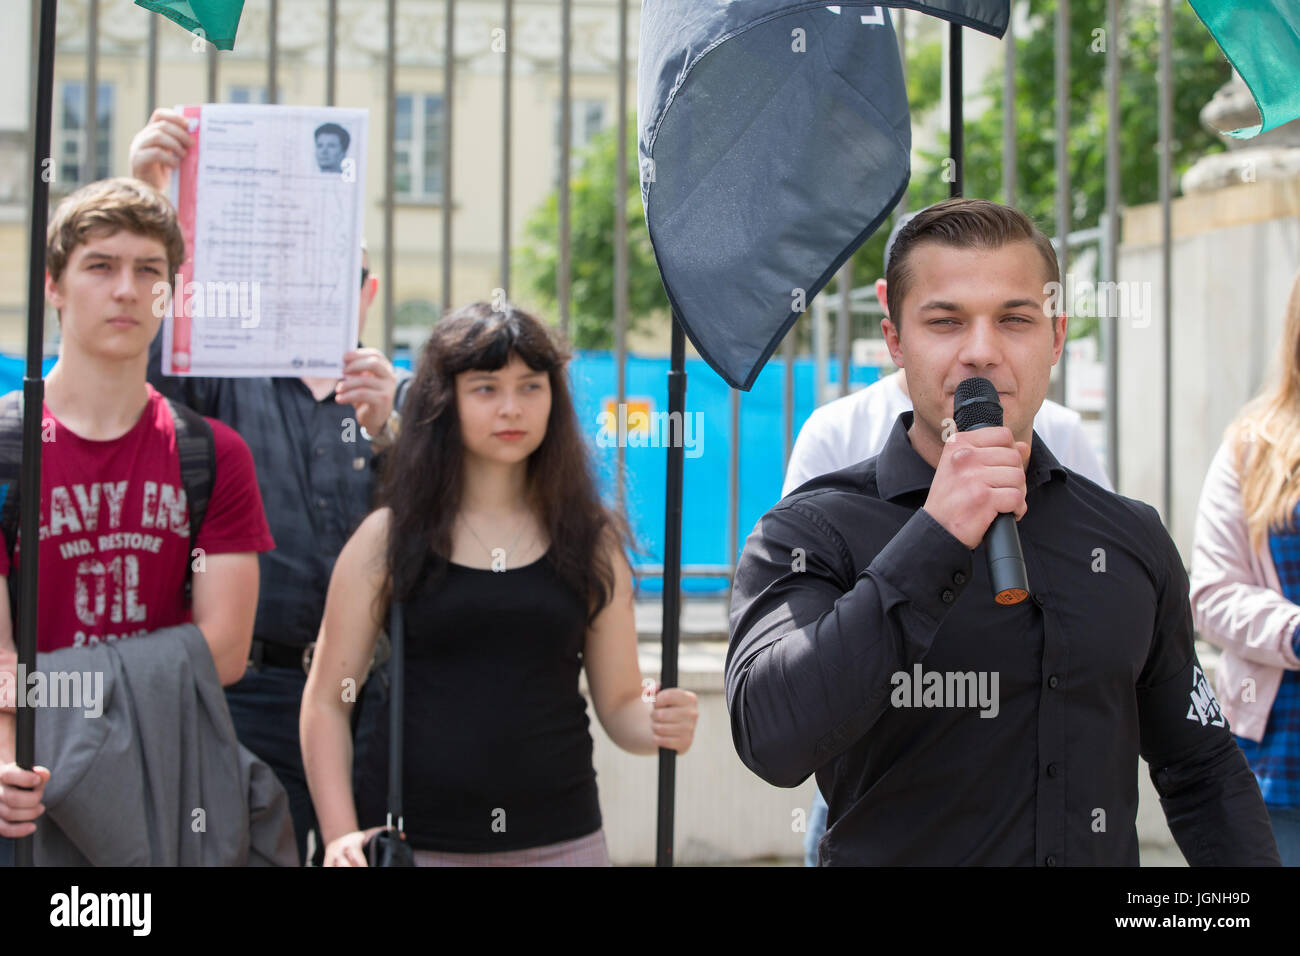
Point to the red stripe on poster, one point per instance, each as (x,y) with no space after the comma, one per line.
(186,199)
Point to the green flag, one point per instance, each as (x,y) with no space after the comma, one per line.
(1261,38)
(213,20)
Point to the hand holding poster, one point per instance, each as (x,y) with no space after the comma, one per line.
(270,202)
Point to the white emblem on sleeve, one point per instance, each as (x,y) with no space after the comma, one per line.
(1204,706)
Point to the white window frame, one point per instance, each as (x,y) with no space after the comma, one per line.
(71,141)
(248,91)
(423,179)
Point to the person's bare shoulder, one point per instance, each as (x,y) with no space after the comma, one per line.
(367,548)
(374,529)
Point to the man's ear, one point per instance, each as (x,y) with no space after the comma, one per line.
(368,293)
(53,295)
(889,332)
(1058,336)
(887,327)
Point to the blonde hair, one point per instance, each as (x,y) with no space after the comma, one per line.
(109,206)
(1265,439)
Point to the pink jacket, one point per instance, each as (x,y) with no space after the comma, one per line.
(1237,603)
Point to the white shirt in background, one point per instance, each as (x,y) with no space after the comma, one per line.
(853,428)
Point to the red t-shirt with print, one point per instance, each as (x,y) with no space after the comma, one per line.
(115,534)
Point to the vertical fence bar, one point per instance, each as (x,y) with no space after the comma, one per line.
(1110,332)
(821,350)
(331,51)
(90,154)
(151,70)
(844,280)
(566,120)
(1167,242)
(620,245)
(390,166)
(448,140)
(1063,203)
(507,78)
(787,395)
(212,72)
(272,41)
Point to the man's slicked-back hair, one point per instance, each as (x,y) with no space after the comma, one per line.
(110,206)
(966,224)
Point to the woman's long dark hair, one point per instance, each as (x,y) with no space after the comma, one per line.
(421,482)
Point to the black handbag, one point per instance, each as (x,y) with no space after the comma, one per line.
(388,847)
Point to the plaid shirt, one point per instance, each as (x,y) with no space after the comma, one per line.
(1276,759)
(314,471)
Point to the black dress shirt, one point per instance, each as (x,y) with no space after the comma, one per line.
(314,472)
(849,595)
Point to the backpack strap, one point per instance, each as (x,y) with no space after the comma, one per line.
(399,396)
(11,464)
(198,456)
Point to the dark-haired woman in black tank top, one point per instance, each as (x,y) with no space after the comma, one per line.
(514,578)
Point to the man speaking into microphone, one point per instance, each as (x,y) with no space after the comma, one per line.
(866,641)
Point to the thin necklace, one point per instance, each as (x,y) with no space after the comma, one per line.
(522,523)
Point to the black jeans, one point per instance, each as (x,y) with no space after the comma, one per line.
(264,707)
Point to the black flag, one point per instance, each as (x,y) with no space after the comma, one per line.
(774,139)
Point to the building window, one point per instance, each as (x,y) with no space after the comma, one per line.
(246,94)
(418,145)
(71,133)
(412,322)
(587,119)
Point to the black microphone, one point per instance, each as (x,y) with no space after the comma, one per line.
(975,405)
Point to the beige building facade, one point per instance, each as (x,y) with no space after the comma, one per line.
(242,76)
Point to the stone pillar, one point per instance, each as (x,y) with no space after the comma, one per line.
(1236,250)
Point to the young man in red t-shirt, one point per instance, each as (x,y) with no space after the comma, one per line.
(115,537)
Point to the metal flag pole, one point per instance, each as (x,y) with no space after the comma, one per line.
(956,144)
(34,398)
(672,600)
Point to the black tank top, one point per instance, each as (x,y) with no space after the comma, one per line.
(497,749)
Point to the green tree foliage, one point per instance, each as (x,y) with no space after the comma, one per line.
(591,217)
(1199,69)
